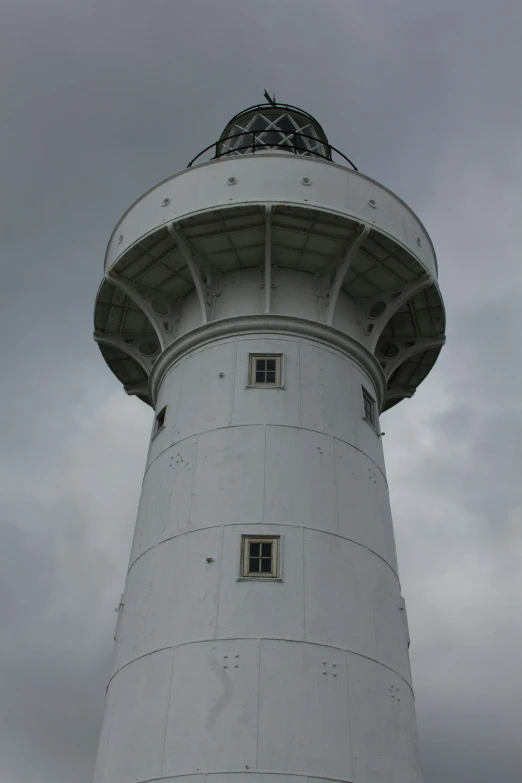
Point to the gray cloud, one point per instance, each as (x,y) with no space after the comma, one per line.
(101,100)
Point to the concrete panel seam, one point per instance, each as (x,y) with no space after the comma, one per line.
(216,619)
(275,524)
(138,658)
(304,580)
(332,439)
(264,472)
(258,699)
(242,772)
(193,483)
(349,702)
(261,424)
(267,639)
(168,710)
(196,435)
(298,362)
(231,409)
(373,607)
(180,395)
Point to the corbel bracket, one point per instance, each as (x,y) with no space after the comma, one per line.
(330,280)
(376,311)
(160,309)
(140,389)
(143,348)
(400,392)
(204,276)
(406,348)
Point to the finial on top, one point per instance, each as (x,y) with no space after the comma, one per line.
(269,99)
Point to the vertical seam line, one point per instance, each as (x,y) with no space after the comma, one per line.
(349,701)
(231,410)
(219,579)
(299,417)
(264,472)
(168,711)
(174,425)
(258,697)
(304,593)
(193,484)
(373,608)
(336,499)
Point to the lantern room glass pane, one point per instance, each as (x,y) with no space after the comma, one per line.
(273,130)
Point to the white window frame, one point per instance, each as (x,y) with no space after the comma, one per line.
(275,574)
(367,396)
(160,416)
(252,360)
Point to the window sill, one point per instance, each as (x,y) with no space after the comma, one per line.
(263,579)
(264,386)
(372,426)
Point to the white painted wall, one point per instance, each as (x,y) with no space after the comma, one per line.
(273,178)
(256,682)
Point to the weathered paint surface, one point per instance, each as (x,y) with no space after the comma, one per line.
(236,681)
(304,677)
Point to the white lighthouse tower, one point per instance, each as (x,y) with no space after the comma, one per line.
(268,302)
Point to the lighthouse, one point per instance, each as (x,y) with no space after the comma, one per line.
(268,302)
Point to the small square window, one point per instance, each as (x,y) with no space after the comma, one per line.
(260,557)
(265,370)
(159,421)
(369,407)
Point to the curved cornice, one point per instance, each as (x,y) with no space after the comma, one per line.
(258,324)
(272,178)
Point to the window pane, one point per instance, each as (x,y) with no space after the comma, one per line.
(259,124)
(265,370)
(266,565)
(259,557)
(242,142)
(272,138)
(284,123)
(369,408)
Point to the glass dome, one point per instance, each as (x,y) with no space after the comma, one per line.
(274,126)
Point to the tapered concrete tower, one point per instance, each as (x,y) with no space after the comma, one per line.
(268,302)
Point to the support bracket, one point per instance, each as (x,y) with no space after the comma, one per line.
(376,311)
(204,276)
(140,389)
(330,280)
(136,346)
(406,349)
(161,310)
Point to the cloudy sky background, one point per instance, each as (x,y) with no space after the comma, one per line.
(100,100)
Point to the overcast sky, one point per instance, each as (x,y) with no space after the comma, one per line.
(100,99)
